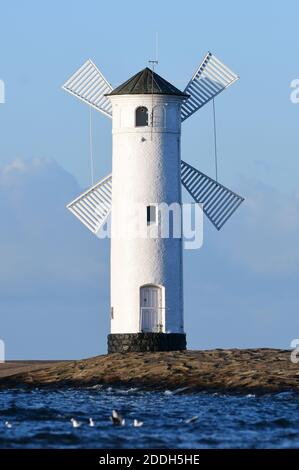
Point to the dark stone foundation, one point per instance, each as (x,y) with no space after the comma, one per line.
(142,342)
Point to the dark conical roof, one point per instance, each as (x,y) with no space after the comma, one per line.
(147,82)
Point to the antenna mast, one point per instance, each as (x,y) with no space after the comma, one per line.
(153,62)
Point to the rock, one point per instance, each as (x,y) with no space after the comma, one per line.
(259,370)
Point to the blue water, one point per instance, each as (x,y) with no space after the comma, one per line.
(41,419)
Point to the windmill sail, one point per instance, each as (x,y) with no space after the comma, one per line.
(92,207)
(90,86)
(210,79)
(219,202)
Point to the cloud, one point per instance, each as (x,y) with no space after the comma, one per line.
(53,272)
(267,229)
(240,287)
(247,274)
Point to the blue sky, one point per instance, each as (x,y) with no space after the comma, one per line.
(241,287)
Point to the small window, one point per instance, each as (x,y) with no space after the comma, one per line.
(141,116)
(151,215)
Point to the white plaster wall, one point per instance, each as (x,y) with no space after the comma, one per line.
(146,170)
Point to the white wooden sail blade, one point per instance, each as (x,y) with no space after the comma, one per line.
(219,202)
(93,206)
(90,86)
(210,79)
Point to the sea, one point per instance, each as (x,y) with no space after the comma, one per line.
(41,418)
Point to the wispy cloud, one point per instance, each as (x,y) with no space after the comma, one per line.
(264,234)
(51,267)
(240,288)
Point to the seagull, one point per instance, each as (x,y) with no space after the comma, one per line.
(75,423)
(91,422)
(191,420)
(8,424)
(137,424)
(117,419)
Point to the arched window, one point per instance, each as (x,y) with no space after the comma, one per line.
(159,119)
(141,116)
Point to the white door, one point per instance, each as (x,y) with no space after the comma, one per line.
(150,309)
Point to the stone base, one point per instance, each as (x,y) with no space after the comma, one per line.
(142,342)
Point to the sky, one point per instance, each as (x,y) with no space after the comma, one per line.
(241,286)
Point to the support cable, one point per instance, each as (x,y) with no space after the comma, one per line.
(91,147)
(215,141)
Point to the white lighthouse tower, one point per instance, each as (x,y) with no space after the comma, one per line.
(147,172)
(146,271)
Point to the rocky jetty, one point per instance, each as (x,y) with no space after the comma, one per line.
(235,370)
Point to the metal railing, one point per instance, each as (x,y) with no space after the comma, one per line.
(219,202)
(89,85)
(210,79)
(93,206)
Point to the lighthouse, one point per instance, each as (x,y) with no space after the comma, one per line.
(146,271)
(146,266)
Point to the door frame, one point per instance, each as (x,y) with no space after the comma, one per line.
(161,311)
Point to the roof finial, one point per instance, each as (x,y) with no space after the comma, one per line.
(153,63)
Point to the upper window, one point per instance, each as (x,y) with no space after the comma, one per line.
(141,117)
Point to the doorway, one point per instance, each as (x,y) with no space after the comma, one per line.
(150,309)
